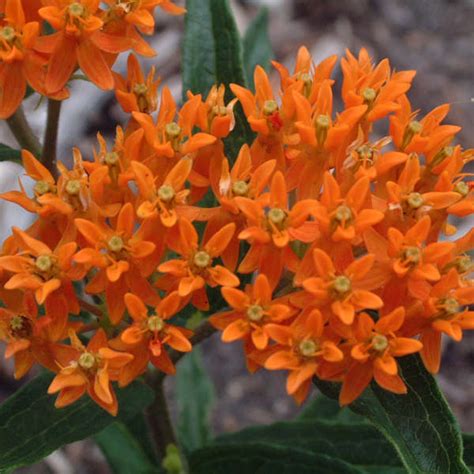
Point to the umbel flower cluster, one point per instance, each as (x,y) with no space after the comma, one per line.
(325,236)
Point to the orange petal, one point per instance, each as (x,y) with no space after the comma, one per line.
(236,330)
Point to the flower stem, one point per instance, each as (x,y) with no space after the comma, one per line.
(23,133)
(91,308)
(51,136)
(158,416)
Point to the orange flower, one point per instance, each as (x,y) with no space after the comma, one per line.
(345,292)
(168,201)
(123,258)
(271,226)
(43,270)
(304,79)
(261,109)
(320,139)
(147,336)
(125,19)
(135,93)
(374,355)
(412,263)
(251,313)
(45,185)
(214,116)
(425,136)
(195,269)
(88,369)
(19,63)
(77,41)
(167,137)
(445,311)
(366,159)
(374,86)
(403,197)
(304,348)
(345,218)
(27,337)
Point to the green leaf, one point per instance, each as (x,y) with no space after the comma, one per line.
(468,442)
(212,54)
(138,428)
(257,46)
(199,70)
(195,394)
(9,154)
(357,444)
(263,458)
(419,425)
(31,427)
(123,452)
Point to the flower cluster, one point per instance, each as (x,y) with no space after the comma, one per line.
(42,43)
(324,235)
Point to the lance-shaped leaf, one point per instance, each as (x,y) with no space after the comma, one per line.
(31,427)
(257,47)
(195,395)
(212,54)
(419,425)
(123,451)
(9,154)
(265,459)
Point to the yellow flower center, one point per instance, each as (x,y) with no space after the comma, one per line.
(412,255)
(255,313)
(140,89)
(166,193)
(462,188)
(323,122)
(441,155)
(21,327)
(379,342)
(415,200)
(219,110)
(463,264)
(16,323)
(240,188)
(202,259)
(111,158)
(411,129)
(342,285)
(87,360)
(155,323)
(269,107)
(41,187)
(172,130)
(76,9)
(73,187)
(450,305)
(369,94)
(276,215)
(414,127)
(115,243)
(366,153)
(308,347)
(7,33)
(343,214)
(44,263)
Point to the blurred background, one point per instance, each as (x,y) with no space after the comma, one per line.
(435,37)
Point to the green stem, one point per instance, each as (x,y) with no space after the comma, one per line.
(51,136)
(158,416)
(23,133)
